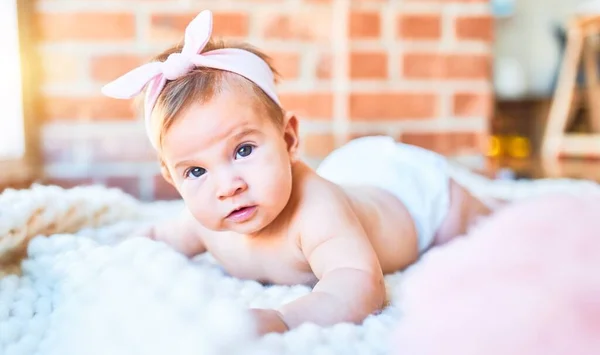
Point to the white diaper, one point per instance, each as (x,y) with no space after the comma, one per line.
(418,177)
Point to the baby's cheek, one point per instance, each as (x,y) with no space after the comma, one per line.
(204,214)
(201,207)
(276,186)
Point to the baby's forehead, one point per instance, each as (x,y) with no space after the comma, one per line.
(227,111)
(202,132)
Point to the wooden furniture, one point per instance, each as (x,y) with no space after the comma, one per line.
(582,46)
(522,117)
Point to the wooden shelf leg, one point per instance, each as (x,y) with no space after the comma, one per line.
(590,58)
(563,96)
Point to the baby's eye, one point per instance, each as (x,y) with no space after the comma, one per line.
(244,151)
(195,172)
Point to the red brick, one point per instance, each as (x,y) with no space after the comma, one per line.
(109,67)
(307,26)
(171,27)
(468,66)
(368,65)
(423,66)
(364,24)
(230,24)
(287,64)
(127,184)
(86,26)
(469,104)
(392,106)
(445,66)
(419,26)
(318,145)
(163,190)
(475,28)
(447,143)
(86,108)
(324,70)
(59,68)
(308,105)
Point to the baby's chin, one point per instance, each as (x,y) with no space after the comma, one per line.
(252,227)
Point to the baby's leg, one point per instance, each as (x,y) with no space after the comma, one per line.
(494,203)
(464,211)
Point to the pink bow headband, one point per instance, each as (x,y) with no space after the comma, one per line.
(197,34)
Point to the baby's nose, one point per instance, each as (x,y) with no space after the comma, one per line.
(231,188)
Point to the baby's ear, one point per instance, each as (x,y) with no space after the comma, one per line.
(165,173)
(290,133)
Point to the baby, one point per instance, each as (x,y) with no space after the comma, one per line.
(231,151)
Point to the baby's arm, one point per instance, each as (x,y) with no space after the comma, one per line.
(182,233)
(351,284)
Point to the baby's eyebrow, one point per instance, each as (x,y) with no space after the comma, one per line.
(245,132)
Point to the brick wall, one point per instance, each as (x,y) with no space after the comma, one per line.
(415,69)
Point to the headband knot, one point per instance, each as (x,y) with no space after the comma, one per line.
(154,76)
(176,66)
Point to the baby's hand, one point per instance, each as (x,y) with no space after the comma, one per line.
(146,231)
(159,231)
(268,321)
(180,233)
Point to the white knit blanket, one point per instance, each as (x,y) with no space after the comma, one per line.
(93,288)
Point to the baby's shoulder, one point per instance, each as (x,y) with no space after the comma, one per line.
(323,204)
(325,214)
(319,193)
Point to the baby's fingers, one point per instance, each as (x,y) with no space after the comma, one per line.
(147,231)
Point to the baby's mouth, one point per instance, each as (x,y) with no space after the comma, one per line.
(242,214)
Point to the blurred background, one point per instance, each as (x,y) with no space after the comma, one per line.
(471,79)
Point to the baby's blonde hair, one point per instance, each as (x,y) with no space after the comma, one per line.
(202,84)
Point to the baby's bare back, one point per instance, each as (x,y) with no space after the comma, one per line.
(391,229)
(387,224)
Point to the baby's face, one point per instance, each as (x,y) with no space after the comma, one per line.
(230,163)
